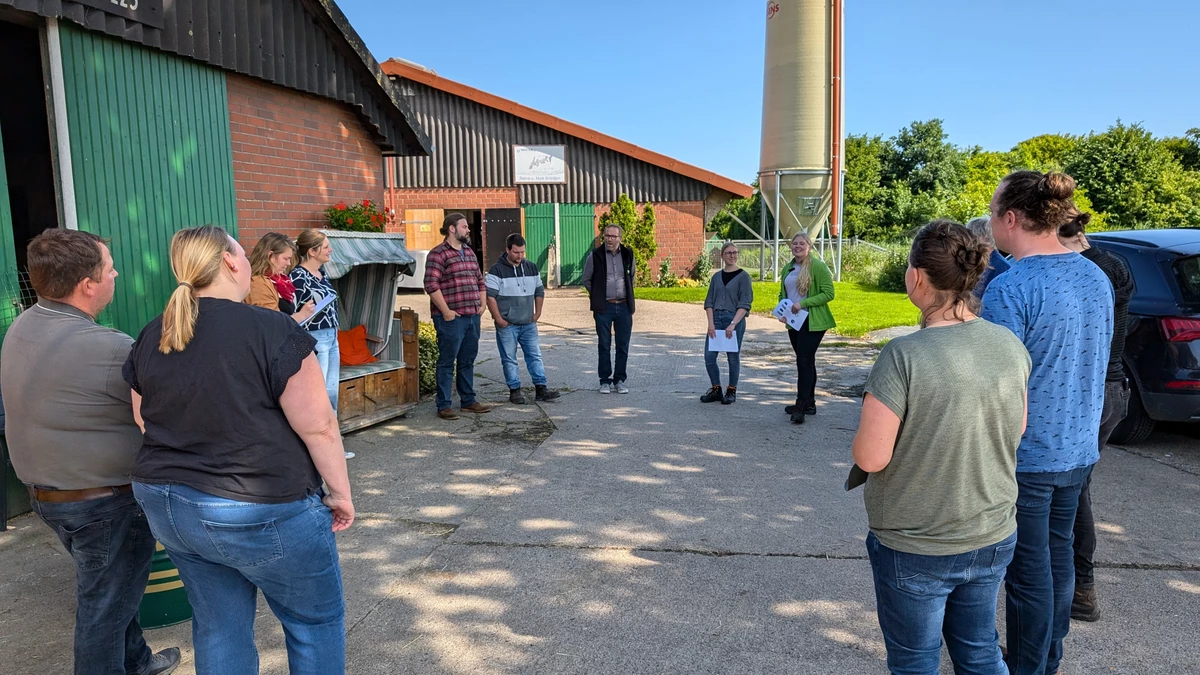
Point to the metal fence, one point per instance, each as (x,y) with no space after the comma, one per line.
(755,254)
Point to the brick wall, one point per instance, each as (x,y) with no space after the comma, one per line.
(294,155)
(448,198)
(679,230)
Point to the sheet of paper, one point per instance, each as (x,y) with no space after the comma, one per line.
(321,304)
(720,343)
(784,311)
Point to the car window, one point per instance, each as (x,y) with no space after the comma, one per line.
(1187,275)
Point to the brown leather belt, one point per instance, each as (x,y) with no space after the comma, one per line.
(86,494)
(618,302)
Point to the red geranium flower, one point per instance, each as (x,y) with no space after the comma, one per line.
(366,203)
(349,221)
(341,206)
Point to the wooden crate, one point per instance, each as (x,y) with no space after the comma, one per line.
(382,390)
(350,399)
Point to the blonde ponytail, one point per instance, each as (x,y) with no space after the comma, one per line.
(196,257)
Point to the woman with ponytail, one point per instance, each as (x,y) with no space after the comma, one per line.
(238,438)
(942,416)
(809,285)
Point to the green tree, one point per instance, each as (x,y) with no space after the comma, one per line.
(1135,180)
(638,234)
(922,157)
(1044,153)
(864,185)
(1186,149)
(984,170)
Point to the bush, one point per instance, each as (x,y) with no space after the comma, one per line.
(666,278)
(702,268)
(427,357)
(683,282)
(891,277)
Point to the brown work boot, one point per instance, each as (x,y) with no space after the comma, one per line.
(477,407)
(1084,606)
(447,414)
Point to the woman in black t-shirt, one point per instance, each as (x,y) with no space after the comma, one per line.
(238,435)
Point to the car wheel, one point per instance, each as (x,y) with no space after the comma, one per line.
(1137,425)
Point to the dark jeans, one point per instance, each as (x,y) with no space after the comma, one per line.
(721,321)
(922,599)
(1041,579)
(110,541)
(458,345)
(615,315)
(805,343)
(1116,405)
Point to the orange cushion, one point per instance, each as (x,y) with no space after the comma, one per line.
(353,347)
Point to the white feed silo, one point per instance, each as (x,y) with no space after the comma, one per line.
(802,114)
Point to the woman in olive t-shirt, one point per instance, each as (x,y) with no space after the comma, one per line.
(943,413)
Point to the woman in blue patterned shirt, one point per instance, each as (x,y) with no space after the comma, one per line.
(312,284)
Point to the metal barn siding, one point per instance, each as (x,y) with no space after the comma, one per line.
(151,155)
(539,234)
(473,149)
(307,45)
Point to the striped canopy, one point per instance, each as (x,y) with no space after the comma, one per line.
(365,270)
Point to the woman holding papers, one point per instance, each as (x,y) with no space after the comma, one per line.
(808,288)
(730,295)
(270,286)
(943,413)
(312,285)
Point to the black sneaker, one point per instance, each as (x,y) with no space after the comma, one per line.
(810,409)
(1084,606)
(164,662)
(713,394)
(789,409)
(541,393)
(797,417)
(515,396)
(730,395)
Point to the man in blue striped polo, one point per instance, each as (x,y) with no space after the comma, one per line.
(514,297)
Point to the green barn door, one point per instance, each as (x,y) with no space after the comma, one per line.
(539,233)
(151,155)
(10,290)
(577,225)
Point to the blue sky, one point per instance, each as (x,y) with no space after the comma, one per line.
(685,78)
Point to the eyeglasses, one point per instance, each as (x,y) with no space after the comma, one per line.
(730,253)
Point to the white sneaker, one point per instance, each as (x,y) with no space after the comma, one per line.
(621,388)
(349,455)
(605,388)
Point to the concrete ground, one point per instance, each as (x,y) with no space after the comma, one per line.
(649,532)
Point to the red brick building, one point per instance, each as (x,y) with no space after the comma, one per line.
(511,168)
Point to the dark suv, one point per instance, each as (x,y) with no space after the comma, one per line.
(1162,352)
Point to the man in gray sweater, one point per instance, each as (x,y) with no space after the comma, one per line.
(514,297)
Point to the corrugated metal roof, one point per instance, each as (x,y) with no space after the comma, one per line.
(307,45)
(398,68)
(473,149)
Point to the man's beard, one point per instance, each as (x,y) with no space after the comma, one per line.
(464,238)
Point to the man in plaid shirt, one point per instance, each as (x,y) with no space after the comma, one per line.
(457,294)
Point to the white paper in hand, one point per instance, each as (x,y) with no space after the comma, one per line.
(784,311)
(720,343)
(322,303)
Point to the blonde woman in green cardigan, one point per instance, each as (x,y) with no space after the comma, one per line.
(809,285)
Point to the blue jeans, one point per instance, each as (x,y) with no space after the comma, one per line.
(110,542)
(1041,579)
(458,345)
(227,550)
(507,339)
(721,320)
(618,316)
(330,359)
(922,599)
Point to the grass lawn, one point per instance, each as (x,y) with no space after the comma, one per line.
(857,309)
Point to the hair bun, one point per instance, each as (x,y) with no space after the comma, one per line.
(1057,185)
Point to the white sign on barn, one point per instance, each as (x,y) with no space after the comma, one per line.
(539,164)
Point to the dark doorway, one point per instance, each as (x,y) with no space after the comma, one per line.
(497,225)
(25,127)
